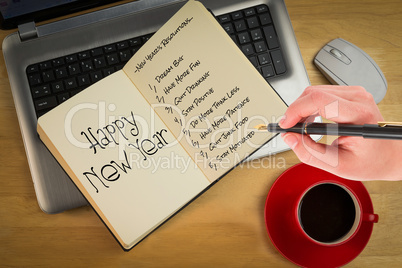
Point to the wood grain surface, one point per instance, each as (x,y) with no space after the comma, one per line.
(225,226)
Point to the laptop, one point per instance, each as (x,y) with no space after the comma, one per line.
(48,63)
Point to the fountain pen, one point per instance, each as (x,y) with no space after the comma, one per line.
(383,130)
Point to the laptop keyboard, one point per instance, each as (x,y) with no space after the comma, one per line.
(55,80)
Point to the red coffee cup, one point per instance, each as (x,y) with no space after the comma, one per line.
(288,232)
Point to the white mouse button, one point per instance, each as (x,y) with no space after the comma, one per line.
(336,53)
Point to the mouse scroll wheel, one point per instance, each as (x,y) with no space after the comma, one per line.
(336,53)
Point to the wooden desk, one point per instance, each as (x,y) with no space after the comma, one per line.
(225,226)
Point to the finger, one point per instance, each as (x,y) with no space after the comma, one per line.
(318,102)
(319,155)
(351,93)
(333,108)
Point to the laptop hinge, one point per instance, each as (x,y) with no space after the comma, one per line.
(27,31)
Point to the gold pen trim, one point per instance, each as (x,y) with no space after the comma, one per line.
(261,127)
(305,124)
(389,124)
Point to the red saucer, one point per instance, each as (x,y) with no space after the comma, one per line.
(283,230)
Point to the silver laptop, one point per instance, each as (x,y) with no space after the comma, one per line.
(49,63)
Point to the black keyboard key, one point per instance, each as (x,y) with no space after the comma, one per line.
(74,69)
(249,12)
(135,41)
(224,18)
(84,55)
(71,58)
(109,48)
(125,55)
(83,80)
(57,87)
(108,71)
(237,15)
(41,91)
(112,59)
(61,72)
(252,22)
(96,52)
(34,79)
(256,35)
(228,27)
(63,97)
(267,71)
(262,8)
(45,65)
(58,62)
(260,46)
(100,62)
(86,66)
(46,103)
(96,76)
(122,45)
(244,38)
(240,25)
(278,62)
(48,76)
(247,49)
(265,19)
(264,59)
(70,83)
(33,68)
(271,37)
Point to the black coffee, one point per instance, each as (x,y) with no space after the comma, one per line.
(327,212)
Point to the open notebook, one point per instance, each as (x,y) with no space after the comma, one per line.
(188,95)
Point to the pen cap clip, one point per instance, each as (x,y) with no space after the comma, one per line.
(390,131)
(390,124)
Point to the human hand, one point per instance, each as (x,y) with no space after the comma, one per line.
(348,157)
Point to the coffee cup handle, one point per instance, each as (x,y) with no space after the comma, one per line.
(370,217)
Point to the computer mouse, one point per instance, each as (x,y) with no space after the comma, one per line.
(343,63)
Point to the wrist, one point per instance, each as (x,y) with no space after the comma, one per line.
(393,167)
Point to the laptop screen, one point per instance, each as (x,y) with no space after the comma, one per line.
(15,12)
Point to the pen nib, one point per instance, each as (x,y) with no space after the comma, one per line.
(261,127)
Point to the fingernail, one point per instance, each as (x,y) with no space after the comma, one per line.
(290,140)
(282,120)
